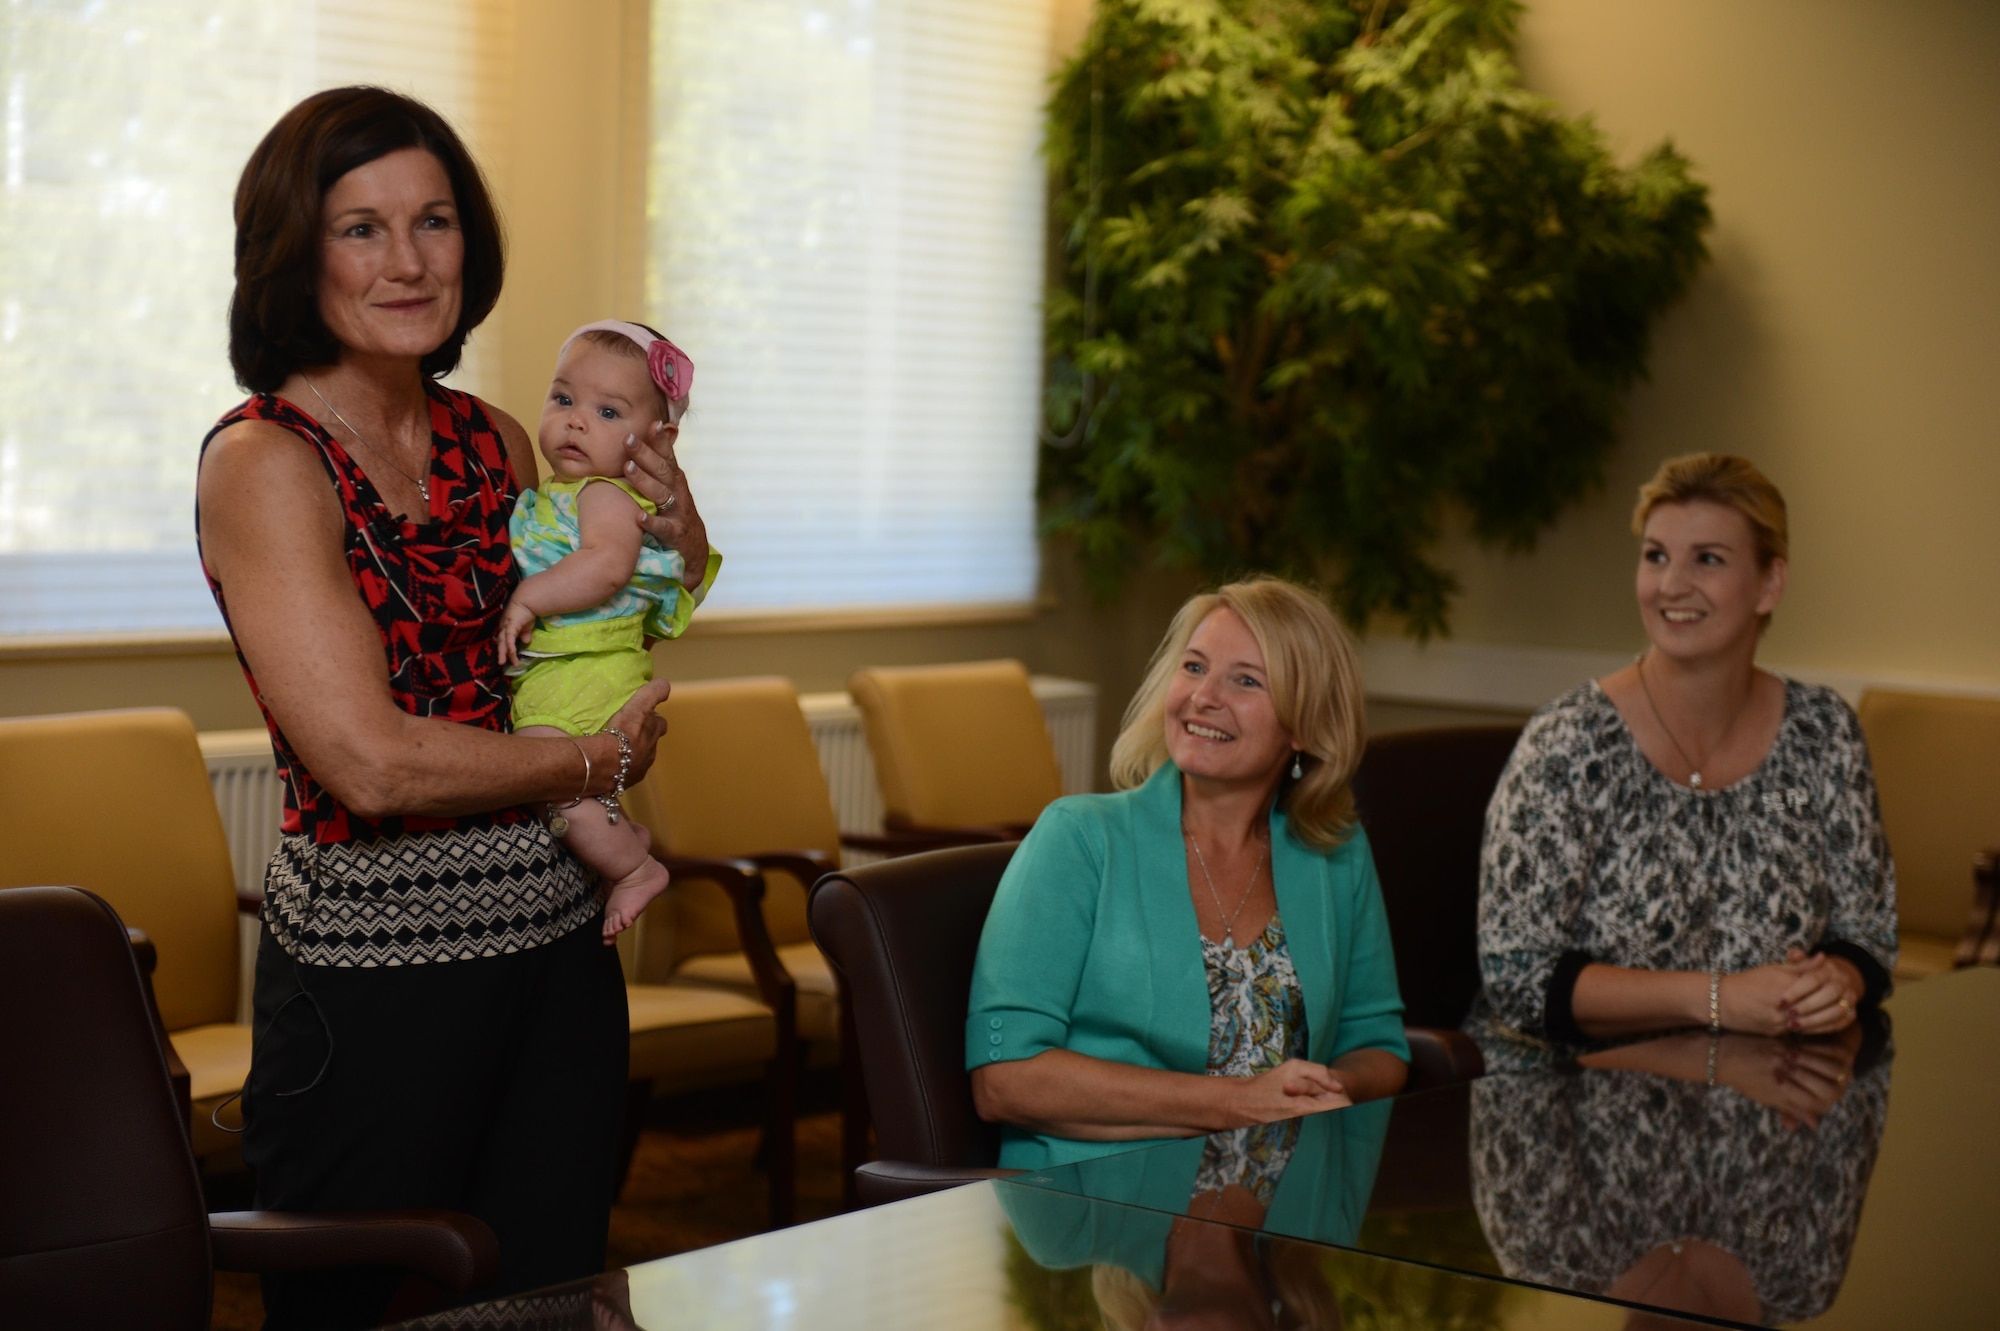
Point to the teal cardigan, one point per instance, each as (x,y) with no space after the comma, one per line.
(1092,946)
(1063,1221)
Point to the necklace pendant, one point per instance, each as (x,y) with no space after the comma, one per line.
(1228,940)
(1694,780)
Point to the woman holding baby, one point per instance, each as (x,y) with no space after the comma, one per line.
(438,1023)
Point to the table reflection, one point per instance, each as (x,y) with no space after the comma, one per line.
(1721,1176)
(1186,1250)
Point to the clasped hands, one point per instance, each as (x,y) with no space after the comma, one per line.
(1296,1086)
(1802,995)
(1802,1081)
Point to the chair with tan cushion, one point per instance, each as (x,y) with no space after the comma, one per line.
(737,782)
(962,751)
(686,1035)
(1937,764)
(119,803)
(737,777)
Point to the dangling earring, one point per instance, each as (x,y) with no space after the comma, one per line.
(1298,765)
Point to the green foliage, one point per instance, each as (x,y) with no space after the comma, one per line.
(1327,269)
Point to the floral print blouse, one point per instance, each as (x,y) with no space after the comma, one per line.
(1592,854)
(1257,1020)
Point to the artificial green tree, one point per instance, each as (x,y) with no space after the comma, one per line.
(1327,270)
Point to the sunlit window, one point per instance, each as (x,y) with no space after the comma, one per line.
(123,128)
(846,222)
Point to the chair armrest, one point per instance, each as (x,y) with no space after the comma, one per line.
(904,838)
(1980,943)
(148,957)
(249,903)
(454,1250)
(1440,1058)
(808,866)
(145,954)
(881,1181)
(744,883)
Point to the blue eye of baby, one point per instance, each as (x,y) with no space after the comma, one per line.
(608,413)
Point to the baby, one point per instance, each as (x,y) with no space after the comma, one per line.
(594,585)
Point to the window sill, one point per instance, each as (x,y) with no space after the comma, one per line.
(728,622)
(80,647)
(206,642)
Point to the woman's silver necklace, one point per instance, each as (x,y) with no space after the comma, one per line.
(1694,768)
(1229,917)
(423,486)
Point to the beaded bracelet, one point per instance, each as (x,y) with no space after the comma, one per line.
(1715,1002)
(613,811)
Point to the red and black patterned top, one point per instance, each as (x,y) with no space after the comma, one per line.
(436,589)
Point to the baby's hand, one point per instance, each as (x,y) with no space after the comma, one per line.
(517,625)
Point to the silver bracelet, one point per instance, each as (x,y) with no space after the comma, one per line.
(1713,1041)
(1715,1002)
(559,825)
(613,811)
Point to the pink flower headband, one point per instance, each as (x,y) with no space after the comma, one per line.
(672,371)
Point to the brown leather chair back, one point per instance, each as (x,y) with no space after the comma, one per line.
(102,1222)
(903,934)
(1422,796)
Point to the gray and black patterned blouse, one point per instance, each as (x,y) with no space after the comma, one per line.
(1578,1177)
(1256,1020)
(1592,854)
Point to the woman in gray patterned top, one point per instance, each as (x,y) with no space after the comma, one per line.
(1689,841)
(1673,1173)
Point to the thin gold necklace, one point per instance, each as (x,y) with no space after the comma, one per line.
(1229,919)
(1694,772)
(423,486)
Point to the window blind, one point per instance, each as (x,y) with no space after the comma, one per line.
(123,128)
(846,224)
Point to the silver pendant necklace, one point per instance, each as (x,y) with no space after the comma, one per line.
(422,484)
(1229,917)
(1694,772)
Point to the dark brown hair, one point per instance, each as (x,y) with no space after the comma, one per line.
(275,327)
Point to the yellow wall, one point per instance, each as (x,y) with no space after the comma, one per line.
(1839,337)
(1843,336)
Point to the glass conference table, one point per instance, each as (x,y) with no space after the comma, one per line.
(1677,1182)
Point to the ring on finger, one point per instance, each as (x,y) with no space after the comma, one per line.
(667,503)
(1843,1004)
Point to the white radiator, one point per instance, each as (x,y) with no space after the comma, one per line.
(245,778)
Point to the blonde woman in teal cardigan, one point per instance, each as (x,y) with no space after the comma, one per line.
(1206,949)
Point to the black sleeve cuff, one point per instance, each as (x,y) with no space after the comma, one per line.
(1875,984)
(1557,1017)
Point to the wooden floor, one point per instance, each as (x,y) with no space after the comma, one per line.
(694,1182)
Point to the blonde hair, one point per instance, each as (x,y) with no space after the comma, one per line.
(620,345)
(1725,479)
(1315,682)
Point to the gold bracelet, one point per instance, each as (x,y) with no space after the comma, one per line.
(1715,1002)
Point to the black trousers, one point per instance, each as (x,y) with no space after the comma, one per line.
(494,1087)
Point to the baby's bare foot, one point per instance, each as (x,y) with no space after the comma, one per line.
(632,894)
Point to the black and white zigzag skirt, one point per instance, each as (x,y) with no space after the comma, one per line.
(424,897)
